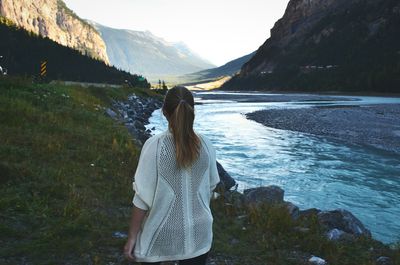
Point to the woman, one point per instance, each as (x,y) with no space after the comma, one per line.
(177,172)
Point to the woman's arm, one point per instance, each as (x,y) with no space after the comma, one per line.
(134,227)
(144,187)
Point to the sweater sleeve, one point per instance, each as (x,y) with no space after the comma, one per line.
(214,176)
(146,175)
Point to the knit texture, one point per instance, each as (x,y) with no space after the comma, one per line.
(179,220)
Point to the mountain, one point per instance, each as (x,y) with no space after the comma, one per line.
(347,45)
(142,52)
(23,51)
(53,19)
(228,69)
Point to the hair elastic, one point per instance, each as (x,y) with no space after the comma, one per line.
(182,101)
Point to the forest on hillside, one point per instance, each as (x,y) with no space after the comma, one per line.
(22,52)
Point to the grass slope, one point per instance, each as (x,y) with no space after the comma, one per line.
(65,174)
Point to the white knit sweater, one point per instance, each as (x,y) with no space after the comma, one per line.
(178,224)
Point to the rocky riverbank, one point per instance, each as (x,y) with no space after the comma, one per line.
(371,125)
(247,211)
(286,230)
(135,112)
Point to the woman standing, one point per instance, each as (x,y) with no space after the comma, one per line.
(177,172)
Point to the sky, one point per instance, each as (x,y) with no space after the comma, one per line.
(217,30)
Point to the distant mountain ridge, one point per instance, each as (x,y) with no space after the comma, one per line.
(53,19)
(228,69)
(144,53)
(336,45)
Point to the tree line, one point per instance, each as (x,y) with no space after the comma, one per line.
(22,53)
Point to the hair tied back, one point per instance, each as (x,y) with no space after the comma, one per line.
(180,121)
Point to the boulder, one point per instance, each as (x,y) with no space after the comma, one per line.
(269,195)
(227,182)
(343,220)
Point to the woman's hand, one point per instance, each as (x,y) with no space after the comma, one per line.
(134,227)
(128,249)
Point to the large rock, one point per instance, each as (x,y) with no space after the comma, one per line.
(269,195)
(343,220)
(227,182)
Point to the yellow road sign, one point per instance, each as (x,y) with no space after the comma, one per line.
(43,68)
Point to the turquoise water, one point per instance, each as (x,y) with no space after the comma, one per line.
(313,171)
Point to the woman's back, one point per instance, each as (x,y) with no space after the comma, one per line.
(179,224)
(174,180)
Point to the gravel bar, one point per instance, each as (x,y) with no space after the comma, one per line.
(372,125)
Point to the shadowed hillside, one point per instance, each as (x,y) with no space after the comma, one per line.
(23,52)
(329,45)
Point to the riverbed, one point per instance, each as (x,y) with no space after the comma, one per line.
(369,125)
(314,171)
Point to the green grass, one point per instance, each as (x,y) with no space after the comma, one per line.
(65,185)
(268,235)
(65,173)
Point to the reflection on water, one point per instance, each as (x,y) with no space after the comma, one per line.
(313,171)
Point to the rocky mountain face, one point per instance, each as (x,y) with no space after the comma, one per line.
(336,45)
(300,16)
(53,19)
(144,53)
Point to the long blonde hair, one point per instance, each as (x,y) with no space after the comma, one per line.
(178,108)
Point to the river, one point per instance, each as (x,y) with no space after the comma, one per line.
(314,171)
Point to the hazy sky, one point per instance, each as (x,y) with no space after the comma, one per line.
(218,30)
